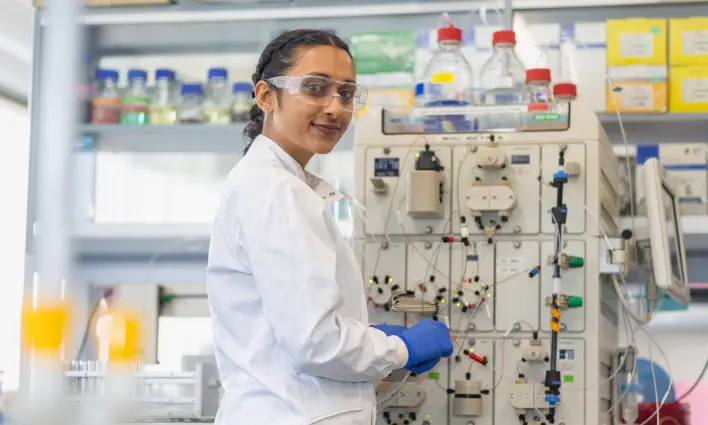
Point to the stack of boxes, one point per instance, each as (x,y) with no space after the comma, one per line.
(688,59)
(637,65)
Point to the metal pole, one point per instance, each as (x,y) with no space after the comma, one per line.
(57,133)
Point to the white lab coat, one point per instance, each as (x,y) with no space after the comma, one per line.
(286,296)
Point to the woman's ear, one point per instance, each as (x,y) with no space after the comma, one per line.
(264,95)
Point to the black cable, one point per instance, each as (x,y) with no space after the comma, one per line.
(87,329)
(695,384)
(84,340)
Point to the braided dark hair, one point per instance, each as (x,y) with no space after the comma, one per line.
(276,59)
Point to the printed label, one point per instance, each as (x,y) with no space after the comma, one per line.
(637,97)
(695,43)
(636,45)
(509,264)
(694,90)
(443,78)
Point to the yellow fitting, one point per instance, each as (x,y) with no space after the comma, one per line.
(124,337)
(44,327)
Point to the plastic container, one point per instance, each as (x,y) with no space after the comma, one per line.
(448,82)
(190,104)
(163,109)
(135,103)
(630,396)
(502,81)
(87,90)
(242,101)
(106,104)
(416,123)
(217,102)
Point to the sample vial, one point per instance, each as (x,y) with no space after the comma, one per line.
(190,105)
(106,104)
(135,103)
(242,101)
(217,105)
(163,109)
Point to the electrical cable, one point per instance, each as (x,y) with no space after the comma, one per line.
(695,384)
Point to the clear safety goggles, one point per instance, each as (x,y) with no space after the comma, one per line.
(320,90)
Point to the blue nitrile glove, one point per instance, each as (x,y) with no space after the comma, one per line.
(425,366)
(390,329)
(425,341)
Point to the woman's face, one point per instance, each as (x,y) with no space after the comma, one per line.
(305,127)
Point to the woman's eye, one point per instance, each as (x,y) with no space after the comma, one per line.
(314,88)
(346,94)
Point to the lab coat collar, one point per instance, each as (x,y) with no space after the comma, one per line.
(265,145)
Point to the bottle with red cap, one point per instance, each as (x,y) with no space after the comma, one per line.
(565,92)
(538,88)
(448,77)
(502,77)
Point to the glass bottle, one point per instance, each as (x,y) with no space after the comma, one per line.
(163,109)
(217,102)
(190,105)
(135,103)
(242,101)
(106,103)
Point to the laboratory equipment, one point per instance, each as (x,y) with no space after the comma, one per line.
(217,102)
(565,92)
(155,395)
(190,105)
(163,109)
(509,256)
(242,101)
(666,237)
(626,389)
(135,102)
(106,104)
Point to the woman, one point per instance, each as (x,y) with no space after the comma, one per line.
(291,330)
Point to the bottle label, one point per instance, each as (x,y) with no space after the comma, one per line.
(443,78)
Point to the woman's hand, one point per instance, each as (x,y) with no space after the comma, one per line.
(425,366)
(426,341)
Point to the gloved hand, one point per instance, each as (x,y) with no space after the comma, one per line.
(390,329)
(425,341)
(425,366)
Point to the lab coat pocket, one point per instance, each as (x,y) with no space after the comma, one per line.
(323,399)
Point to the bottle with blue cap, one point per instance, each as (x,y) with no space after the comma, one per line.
(217,103)
(242,101)
(105,106)
(135,103)
(163,109)
(191,103)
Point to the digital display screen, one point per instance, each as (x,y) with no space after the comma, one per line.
(670,206)
(386,167)
(520,159)
(566,354)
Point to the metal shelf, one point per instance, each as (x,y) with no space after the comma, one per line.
(167,138)
(656,128)
(180,138)
(147,240)
(695,230)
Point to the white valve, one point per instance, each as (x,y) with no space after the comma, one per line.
(380,294)
(490,198)
(490,157)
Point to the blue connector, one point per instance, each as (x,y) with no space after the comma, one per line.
(552,400)
(560,175)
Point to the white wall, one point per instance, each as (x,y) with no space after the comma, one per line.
(16,32)
(14,163)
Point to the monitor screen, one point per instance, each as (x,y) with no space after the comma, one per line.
(670,206)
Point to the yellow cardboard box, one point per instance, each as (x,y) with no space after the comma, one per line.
(637,96)
(688,41)
(636,41)
(688,89)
